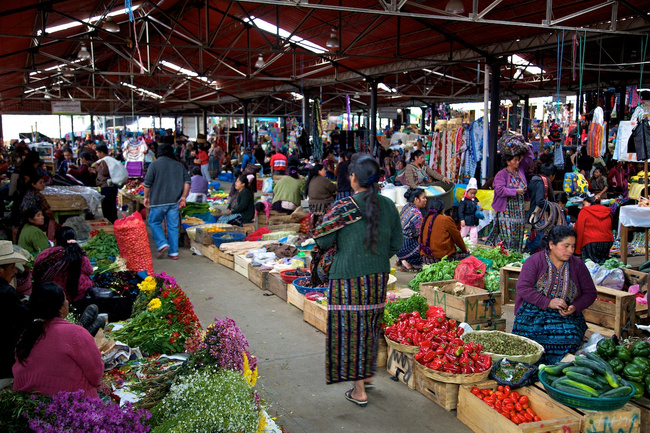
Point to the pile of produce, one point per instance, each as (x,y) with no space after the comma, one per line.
(438,338)
(394,309)
(508,403)
(614,263)
(630,360)
(103,246)
(123,283)
(501,343)
(194,208)
(498,255)
(443,270)
(590,376)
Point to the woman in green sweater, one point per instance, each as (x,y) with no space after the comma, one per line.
(287,192)
(358,276)
(242,210)
(31,237)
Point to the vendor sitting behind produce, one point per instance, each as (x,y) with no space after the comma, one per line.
(594,229)
(440,236)
(320,191)
(242,210)
(66,265)
(287,192)
(198,187)
(54,355)
(31,237)
(35,198)
(417,173)
(553,289)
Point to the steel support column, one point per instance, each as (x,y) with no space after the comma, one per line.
(525,118)
(423,124)
(494,117)
(205,122)
(92,127)
(372,135)
(245,127)
(305,111)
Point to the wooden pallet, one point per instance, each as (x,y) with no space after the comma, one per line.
(441,393)
(275,284)
(295,298)
(257,276)
(316,315)
(508,283)
(613,312)
(227,260)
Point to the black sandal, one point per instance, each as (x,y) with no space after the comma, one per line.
(360,403)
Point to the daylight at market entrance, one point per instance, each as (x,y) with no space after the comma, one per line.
(324,216)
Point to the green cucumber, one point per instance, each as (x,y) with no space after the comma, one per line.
(613,380)
(593,357)
(645,267)
(572,390)
(592,365)
(550,378)
(584,379)
(556,369)
(578,369)
(558,380)
(601,379)
(581,386)
(618,392)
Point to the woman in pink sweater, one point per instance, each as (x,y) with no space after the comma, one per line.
(53,354)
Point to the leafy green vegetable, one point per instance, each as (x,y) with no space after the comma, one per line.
(443,270)
(406,305)
(499,259)
(102,246)
(614,263)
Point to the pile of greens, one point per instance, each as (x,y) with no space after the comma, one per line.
(499,259)
(405,305)
(614,263)
(193,208)
(443,270)
(102,247)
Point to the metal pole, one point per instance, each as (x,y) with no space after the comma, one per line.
(245,127)
(423,120)
(60,136)
(494,116)
(305,111)
(372,136)
(205,121)
(72,127)
(486,109)
(525,118)
(92,127)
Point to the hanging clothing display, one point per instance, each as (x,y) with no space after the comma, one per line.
(597,140)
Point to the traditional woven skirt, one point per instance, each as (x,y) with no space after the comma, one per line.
(355,315)
(597,252)
(410,252)
(509,226)
(319,208)
(559,335)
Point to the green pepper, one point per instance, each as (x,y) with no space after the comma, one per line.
(647,384)
(624,354)
(606,348)
(642,362)
(617,365)
(638,389)
(633,372)
(641,348)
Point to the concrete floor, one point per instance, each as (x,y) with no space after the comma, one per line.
(291,359)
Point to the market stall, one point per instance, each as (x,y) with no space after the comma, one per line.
(72,200)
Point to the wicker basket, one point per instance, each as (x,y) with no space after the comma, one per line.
(441,376)
(528,359)
(402,347)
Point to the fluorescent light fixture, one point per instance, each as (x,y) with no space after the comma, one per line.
(524,66)
(385,88)
(92,20)
(141,91)
(274,30)
(174,67)
(297,96)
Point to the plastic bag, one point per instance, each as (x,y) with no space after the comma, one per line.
(471,271)
(132,239)
(267,185)
(514,374)
(118,172)
(610,278)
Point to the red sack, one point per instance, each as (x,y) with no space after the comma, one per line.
(471,271)
(257,234)
(132,239)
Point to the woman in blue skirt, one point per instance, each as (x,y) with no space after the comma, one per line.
(553,289)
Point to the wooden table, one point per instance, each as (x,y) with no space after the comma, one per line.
(65,204)
(633,218)
(135,202)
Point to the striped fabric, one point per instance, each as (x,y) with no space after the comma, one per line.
(559,335)
(355,315)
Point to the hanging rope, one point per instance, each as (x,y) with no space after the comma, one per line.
(560,57)
(644,49)
(582,48)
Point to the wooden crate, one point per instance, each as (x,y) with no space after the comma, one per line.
(400,365)
(315,314)
(613,312)
(228,260)
(102,224)
(481,418)
(241,264)
(444,394)
(275,284)
(462,302)
(295,298)
(382,352)
(627,419)
(249,228)
(508,283)
(643,404)
(492,325)
(210,252)
(257,276)
(633,277)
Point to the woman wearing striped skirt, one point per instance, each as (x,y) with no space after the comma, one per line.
(553,289)
(358,276)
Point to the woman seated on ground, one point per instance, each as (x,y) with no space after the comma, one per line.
(242,210)
(320,190)
(439,236)
(408,258)
(287,193)
(54,355)
(594,230)
(34,198)
(553,289)
(30,236)
(65,264)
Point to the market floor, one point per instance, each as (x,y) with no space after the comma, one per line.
(291,359)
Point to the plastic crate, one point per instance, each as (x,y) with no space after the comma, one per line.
(218,238)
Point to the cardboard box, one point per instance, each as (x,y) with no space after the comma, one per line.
(462,302)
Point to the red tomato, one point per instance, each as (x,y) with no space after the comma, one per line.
(475,390)
(537,418)
(530,412)
(523,399)
(506,389)
(528,417)
(518,407)
(524,406)
(509,406)
(498,404)
(514,395)
(500,388)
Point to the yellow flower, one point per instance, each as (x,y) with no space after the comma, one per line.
(262,424)
(148,285)
(249,375)
(154,304)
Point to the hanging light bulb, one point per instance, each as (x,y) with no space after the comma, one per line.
(333,41)
(83,53)
(111,26)
(455,7)
(260,62)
